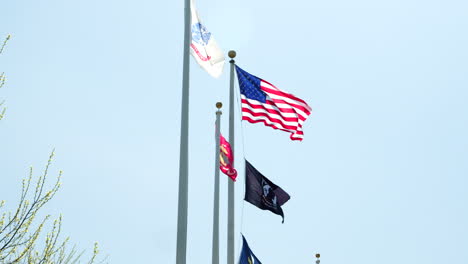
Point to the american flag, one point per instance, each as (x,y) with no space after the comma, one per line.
(263,103)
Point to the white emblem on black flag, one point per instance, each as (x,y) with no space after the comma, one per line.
(263,193)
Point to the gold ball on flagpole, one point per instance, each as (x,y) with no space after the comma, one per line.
(232,54)
(219,105)
(317,255)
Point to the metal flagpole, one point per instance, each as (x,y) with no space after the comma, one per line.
(183,159)
(215,242)
(230,234)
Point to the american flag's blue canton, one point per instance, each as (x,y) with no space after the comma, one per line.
(250,86)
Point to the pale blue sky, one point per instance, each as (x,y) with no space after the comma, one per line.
(381,176)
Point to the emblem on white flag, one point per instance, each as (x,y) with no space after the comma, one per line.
(204,48)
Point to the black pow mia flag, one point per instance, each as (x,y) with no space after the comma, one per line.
(262,193)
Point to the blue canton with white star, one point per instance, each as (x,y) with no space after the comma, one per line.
(249,85)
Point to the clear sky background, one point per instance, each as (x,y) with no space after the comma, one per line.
(381,176)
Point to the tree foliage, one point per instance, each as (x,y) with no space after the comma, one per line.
(20,236)
(3,78)
(21,229)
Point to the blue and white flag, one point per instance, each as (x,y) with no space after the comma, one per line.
(247,256)
(203,47)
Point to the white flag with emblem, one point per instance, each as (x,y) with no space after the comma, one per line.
(204,48)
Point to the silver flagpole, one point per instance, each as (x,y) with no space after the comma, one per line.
(230,234)
(183,159)
(215,245)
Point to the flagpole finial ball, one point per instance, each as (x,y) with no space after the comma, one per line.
(219,105)
(317,255)
(232,54)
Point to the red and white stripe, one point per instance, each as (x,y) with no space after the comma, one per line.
(281,111)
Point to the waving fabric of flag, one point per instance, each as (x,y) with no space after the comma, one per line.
(247,256)
(204,48)
(226,158)
(263,103)
(262,192)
